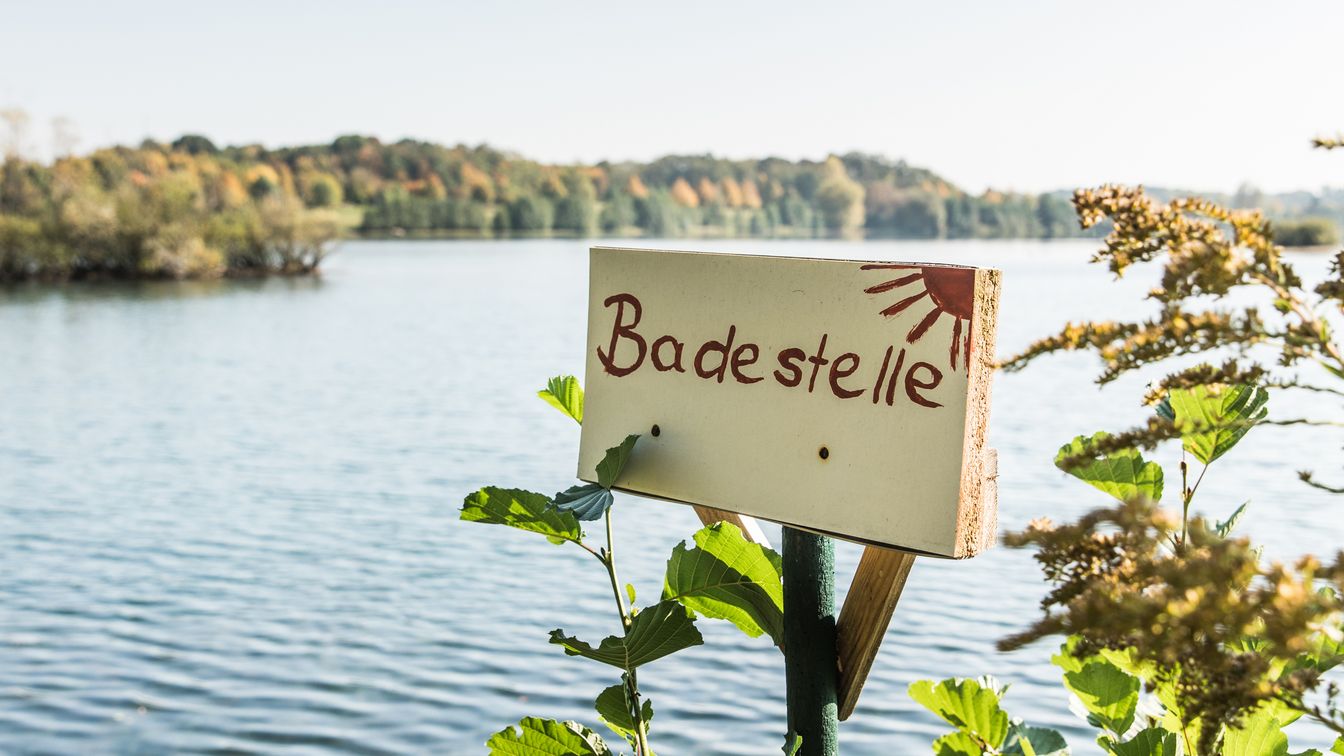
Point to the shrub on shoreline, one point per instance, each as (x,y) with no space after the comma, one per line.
(150,214)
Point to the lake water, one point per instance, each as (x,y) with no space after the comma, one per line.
(228,512)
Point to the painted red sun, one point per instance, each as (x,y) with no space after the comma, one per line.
(952,291)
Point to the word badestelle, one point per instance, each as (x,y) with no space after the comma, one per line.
(718,360)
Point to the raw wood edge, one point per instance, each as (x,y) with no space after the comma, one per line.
(989,494)
(751,530)
(864,618)
(977,513)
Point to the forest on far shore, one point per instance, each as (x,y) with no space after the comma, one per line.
(191,208)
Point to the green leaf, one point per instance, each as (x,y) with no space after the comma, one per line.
(1338,747)
(630,592)
(1323,653)
(613,708)
(1260,734)
(966,705)
(956,744)
(613,463)
(546,737)
(565,394)
(1123,474)
(727,577)
(521,509)
(586,502)
(658,630)
(792,742)
(1212,419)
(1224,528)
(1153,741)
(1035,741)
(1110,695)
(1127,660)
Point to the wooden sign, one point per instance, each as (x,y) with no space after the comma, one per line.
(848,398)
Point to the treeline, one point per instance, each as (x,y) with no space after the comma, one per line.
(191,208)
(418,187)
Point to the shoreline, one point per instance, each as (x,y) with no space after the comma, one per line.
(101,277)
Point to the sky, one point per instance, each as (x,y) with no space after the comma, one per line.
(1030,96)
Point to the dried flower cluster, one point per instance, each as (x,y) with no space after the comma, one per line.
(1221,638)
(1202,259)
(1208,252)
(1224,632)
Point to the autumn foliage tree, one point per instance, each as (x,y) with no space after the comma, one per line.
(840,198)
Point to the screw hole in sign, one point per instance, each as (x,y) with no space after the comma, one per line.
(655,431)
(824,453)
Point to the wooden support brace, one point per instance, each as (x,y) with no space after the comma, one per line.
(871,601)
(751,530)
(863,622)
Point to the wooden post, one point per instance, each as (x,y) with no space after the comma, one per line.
(809,640)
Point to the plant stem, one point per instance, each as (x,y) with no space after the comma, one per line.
(592,551)
(1314,712)
(1185,501)
(609,559)
(1305,387)
(631,681)
(1306,316)
(641,727)
(1305,421)
(1188,495)
(1198,480)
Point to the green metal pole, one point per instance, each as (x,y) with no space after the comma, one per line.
(809,640)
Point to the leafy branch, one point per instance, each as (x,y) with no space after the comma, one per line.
(1179,606)
(724,576)
(1208,251)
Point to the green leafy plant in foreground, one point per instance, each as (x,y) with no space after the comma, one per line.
(723,576)
(1179,640)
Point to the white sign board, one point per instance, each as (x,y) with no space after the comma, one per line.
(843,397)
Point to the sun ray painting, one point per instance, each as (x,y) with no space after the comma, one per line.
(950,289)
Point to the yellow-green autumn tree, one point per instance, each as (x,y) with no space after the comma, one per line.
(840,198)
